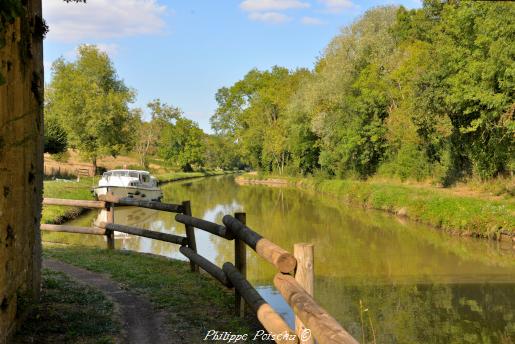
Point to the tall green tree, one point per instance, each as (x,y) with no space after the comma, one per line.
(348,98)
(253,113)
(469,83)
(148,134)
(178,139)
(221,153)
(91,103)
(183,143)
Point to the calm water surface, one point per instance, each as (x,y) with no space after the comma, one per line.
(381,277)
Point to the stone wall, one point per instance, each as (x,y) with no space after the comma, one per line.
(21,164)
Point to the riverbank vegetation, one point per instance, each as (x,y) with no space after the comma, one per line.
(423,94)
(69,189)
(459,214)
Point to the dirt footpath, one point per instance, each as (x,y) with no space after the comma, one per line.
(141,323)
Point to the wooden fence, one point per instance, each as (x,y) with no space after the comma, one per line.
(54,168)
(294,280)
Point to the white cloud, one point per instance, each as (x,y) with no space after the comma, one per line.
(269,17)
(337,6)
(103,19)
(311,21)
(275,5)
(110,49)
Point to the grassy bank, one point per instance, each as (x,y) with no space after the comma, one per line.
(69,190)
(176,176)
(194,302)
(463,215)
(69,312)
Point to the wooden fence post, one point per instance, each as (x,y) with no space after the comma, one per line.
(304,275)
(110,219)
(190,234)
(240,262)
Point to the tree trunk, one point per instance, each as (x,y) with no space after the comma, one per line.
(21,166)
(142,160)
(94,163)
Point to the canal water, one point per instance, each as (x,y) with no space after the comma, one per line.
(387,280)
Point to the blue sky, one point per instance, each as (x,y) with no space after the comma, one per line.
(183,51)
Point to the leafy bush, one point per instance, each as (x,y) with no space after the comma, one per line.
(56,139)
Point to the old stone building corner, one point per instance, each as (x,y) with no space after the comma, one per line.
(21,165)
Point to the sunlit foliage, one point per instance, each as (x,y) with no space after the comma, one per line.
(421,94)
(90,102)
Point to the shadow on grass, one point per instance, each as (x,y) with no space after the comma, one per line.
(69,312)
(195,303)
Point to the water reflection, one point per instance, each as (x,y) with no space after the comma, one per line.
(415,284)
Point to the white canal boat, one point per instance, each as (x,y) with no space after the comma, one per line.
(129,183)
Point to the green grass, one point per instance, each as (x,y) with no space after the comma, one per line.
(69,190)
(69,313)
(465,215)
(195,302)
(175,176)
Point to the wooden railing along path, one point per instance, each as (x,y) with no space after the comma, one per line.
(294,279)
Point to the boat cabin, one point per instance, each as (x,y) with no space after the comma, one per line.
(128,178)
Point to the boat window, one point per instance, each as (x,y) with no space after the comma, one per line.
(145,178)
(134,174)
(106,174)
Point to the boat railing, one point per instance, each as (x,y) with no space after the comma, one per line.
(294,279)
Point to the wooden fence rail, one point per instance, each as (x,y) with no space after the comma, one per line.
(74,203)
(324,327)
(206,265)
(274,254)
(171,238)
(213,228)
(269,318)
(297,291)
(73,229)
(133,202)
